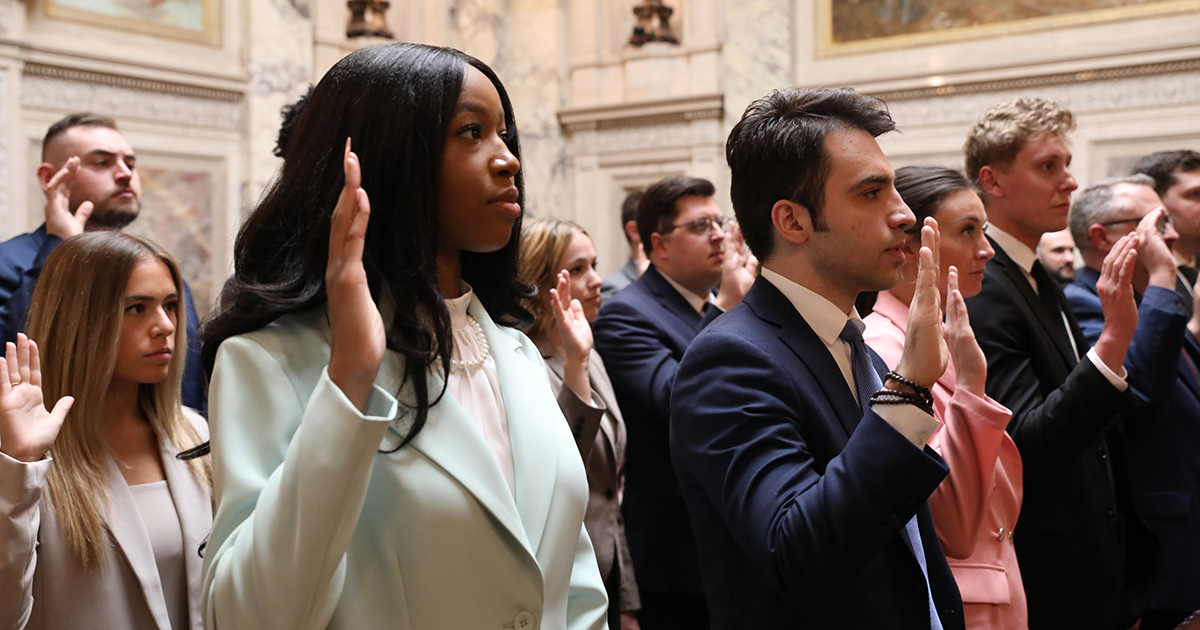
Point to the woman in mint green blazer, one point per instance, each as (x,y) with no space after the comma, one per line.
(386,449)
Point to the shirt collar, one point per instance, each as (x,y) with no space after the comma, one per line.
(826,319)
(1019,252)
(697,303)
(1183,261)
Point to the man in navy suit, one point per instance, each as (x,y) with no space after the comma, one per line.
(1164,437)
(807,488)
(89,175)
(642,334)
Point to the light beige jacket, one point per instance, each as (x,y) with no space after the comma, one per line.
(42,587)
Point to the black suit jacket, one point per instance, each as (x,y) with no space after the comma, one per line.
(641,334)
(795,495)
(1072,538)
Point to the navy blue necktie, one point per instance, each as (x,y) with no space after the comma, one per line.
(866,381)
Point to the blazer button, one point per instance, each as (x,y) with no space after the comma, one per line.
(884,532)
(524,621)
(910,498)
(893,521)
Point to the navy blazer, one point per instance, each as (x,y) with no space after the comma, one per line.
(795,495)
(1163,440)
(21,261)
(642,333)
(1077,539)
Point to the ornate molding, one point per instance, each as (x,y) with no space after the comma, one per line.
(4,127)
(642,114)
(131,83)
(57,92)
(6,18)
(1046,80)
(1120,91)
(680,134)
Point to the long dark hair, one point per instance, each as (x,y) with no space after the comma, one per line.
(395,101)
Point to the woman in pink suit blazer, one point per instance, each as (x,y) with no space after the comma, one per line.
(977,505)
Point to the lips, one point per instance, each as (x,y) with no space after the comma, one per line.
(508,202)
(160,355)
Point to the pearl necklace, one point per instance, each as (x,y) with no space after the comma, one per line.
(478,361)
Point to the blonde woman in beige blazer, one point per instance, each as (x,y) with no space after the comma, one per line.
(100,521)
(561,254)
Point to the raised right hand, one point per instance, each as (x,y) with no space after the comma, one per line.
(357,336)
(1153,250)
(970,364)
(1116,301)
(925,353)
(738,269)
(27,430)
(59,220)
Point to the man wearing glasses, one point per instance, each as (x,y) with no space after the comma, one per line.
(642,334)
(1164,437)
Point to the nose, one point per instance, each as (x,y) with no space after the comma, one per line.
(593,279)
(902,216)
(164,323)
(985,250)
(1170,235)
(123,172)
(505,164)
(1069,182)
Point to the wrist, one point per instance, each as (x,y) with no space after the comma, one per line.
(1111,350)
(1164,278)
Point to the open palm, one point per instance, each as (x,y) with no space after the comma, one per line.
(27,430)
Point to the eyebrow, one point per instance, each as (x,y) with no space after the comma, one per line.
(151,298)
(470,106)
(869,181)
(107,153)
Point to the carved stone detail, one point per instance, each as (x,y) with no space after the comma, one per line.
(45,92)
(6,18)
(4,127)
(1136,92)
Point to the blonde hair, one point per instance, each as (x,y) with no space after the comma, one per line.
(1001,132)
(543,243)
(76,316)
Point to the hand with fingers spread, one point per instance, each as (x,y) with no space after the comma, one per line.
(1116,300)
(60,221)
(27,430)
(738,269)
(970,364)
(358,339)
(576,335)
(925,353)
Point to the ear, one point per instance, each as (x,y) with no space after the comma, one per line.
(632,233)
(792,221)
(45,171)
(1098,237)
(989,182)
(658,245)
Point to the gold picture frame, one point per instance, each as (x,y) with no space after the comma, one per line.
(828,47)
(171,19)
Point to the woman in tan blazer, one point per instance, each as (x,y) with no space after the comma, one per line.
(100,522)
(560,254)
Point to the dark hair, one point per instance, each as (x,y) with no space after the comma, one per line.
(78,119)
(656,210)
(924,187)
(290,114)
(629,209)
(396,102)
(777,151)
(1163,165)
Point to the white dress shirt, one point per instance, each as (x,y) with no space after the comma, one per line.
(696,301)
(827,320)
(1024,257)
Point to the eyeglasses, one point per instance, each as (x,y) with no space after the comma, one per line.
(1163,221)
(700,227)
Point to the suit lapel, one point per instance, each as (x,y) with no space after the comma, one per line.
(534,421)
(124,522)
(194,508)
(771,306)
(1052,323)
(675,303)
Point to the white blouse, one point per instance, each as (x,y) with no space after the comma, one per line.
(475,384)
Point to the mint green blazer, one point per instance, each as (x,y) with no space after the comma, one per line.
(318,527)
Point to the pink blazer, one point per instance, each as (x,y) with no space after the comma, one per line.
(977,505)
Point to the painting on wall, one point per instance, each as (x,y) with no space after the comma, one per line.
(177,213)
(855,26)
(193,20)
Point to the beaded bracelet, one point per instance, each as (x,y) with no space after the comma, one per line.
(918,390)
(893,397)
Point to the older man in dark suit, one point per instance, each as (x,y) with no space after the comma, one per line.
(642,334)
(1164,437)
